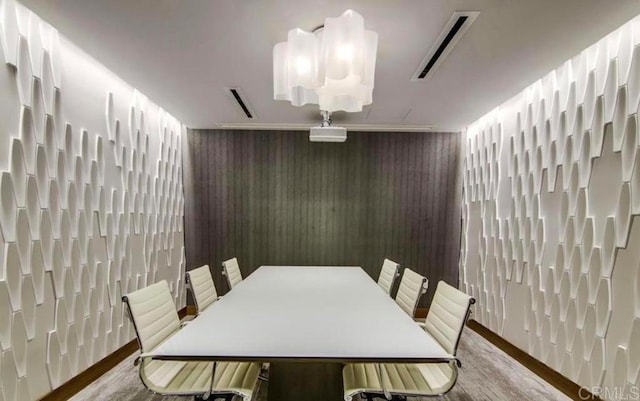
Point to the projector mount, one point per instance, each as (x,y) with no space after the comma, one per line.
(326,118)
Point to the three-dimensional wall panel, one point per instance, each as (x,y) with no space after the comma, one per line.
(91,206)
(550,245)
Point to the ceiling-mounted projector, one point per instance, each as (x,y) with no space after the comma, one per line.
(326,132)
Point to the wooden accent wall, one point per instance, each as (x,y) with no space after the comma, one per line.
(274,198)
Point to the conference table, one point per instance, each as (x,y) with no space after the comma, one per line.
(307,322)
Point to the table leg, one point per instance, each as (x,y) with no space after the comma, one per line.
(293,381)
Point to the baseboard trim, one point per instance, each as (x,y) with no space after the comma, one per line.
(421,313)
(191,310)
(82,380)
(557,380)
(91,374)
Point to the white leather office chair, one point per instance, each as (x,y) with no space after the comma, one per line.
(155,320)
(231,270)
(202,288)
(412,287)
(388,274)
(445,321)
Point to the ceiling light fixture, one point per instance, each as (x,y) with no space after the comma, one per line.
(333,66)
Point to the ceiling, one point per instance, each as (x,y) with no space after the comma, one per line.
(182,54)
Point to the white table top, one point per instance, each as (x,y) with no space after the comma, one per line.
(304,313)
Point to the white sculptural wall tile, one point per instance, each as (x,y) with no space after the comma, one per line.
(25,74)
(77,197)
(8,209)
(38,272)
(629,146)
(5,315)
(18,171)
(567,164)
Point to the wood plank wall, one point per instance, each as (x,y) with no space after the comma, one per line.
(274,198)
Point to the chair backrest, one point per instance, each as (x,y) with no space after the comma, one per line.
(202,287)
(388,275)
(153,314)
(447,315)
(232,271)
(412,287)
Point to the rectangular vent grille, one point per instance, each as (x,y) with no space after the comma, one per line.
(237,95)
(450,35)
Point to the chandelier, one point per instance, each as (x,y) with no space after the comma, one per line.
(333,66)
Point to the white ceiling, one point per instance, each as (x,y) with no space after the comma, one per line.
(182,54)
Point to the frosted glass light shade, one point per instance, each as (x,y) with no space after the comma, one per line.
(295,68)
(302,67)
(333,68)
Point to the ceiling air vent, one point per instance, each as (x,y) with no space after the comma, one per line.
(458,24)
(237,95)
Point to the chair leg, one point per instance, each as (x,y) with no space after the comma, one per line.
(214,397)
(264,373)
(373,397)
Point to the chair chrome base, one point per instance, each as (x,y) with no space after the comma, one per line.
(373,397)
(214,397)
(264,373)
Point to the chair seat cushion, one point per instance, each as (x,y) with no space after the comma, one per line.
(180,377)
(410,379)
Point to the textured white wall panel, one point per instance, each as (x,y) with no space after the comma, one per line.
(91,205)
(550,245)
